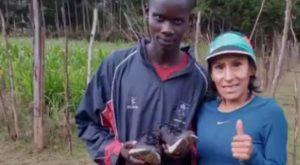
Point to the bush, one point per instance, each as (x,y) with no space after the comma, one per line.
(21,50)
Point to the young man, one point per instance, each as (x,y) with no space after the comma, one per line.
(147,93)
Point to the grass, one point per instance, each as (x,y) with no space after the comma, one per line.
(21,50)
(285,97)
(22,153)
(54,74)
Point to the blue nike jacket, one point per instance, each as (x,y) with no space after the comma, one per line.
(126,99)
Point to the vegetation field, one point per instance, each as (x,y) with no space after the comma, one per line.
(56,153)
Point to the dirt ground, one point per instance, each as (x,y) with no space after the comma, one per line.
(19,153)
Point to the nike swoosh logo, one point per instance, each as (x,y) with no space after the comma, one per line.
(222,122)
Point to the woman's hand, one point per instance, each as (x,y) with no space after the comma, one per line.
(241,145)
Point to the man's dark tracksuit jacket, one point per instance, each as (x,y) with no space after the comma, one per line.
(126,99)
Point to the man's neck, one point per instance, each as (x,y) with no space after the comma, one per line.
(163,57)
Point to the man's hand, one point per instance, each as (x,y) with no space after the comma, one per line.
(177,155)
(241,145)
(125,153)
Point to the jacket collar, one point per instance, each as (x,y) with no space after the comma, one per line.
(141,48)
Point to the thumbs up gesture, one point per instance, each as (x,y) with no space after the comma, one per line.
(241,145)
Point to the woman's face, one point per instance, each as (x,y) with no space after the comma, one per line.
(231,75)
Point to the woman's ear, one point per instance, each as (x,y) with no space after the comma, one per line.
(252,70)
(212,78)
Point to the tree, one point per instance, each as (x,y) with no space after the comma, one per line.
(283,45)
(38,78)
(13,131)
(69,15)
(57,17)
(66,128)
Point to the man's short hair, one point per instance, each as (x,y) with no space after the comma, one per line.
(191,3)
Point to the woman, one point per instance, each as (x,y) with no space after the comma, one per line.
(238,127)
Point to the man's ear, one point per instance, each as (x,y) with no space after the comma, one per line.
(192,19)
(146,10)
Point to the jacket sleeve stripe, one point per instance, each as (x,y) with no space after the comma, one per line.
(106,117)
(112,150)
(204,77)
(113,84)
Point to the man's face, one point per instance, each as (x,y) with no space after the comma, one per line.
(168,21)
